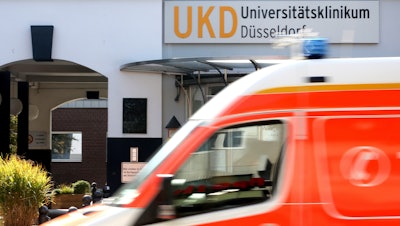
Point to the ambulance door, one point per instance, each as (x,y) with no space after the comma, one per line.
(359,166)
(233,178)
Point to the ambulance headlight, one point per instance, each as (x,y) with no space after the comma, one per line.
(315,48)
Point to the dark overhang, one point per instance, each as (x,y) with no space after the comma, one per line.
(202,65)
(203,70)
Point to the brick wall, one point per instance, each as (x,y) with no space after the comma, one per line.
(92,122)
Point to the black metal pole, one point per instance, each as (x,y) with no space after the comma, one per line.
(23,119)
(5,112)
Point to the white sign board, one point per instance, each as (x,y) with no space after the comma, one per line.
(37,140)
(263,21)
(130,169)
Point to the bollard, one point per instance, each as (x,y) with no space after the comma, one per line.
(106,191)
(43,214)
(97,194)
(86,200)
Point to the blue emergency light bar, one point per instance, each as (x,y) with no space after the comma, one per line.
(315,48)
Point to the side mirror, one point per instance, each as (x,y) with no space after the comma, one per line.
(165,208)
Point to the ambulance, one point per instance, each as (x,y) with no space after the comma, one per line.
(306,142)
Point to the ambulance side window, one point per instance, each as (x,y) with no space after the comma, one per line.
(234,167)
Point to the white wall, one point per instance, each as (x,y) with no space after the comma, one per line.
(101,35)
(170,106)
(105,34)
(130,84)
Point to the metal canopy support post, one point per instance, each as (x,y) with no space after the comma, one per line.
(256,65)
(218,70)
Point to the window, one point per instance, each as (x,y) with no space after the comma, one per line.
(66,146)
(196,100)
(134,115)
(227,139)
(201,94)
(214,90)
(237,166)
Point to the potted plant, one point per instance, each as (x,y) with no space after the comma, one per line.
(81,187)
(23,189)
(66,196)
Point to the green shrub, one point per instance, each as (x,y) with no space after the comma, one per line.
(78,187)
(81,187)
(23,189)
(13,133)
(63,189)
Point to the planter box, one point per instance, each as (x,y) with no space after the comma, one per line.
(65,201)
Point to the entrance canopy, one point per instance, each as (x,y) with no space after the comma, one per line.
(205,69)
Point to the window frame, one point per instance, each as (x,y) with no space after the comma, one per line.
(77,157)
(278,161)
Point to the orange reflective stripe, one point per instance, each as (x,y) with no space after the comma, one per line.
(327,88)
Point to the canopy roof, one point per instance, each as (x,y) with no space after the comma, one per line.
(203,65)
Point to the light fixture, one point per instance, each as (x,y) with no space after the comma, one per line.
(172,126)
(15,103)
(15,106)
(33,112)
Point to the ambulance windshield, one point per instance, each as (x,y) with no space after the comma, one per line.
(236,166)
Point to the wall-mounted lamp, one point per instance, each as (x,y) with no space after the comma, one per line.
(33,112)
(172,126)
(15,106)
